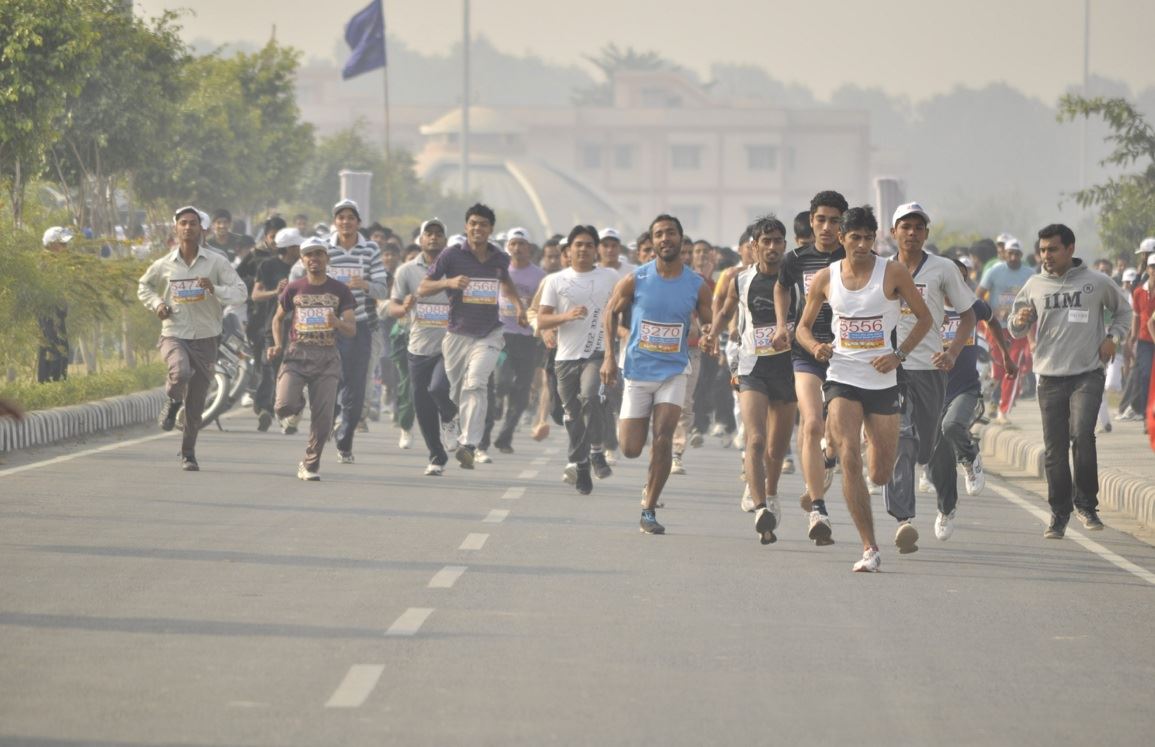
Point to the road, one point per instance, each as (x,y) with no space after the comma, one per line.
(140,605)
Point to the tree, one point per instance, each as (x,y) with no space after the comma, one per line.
(611,60)
(1126,203)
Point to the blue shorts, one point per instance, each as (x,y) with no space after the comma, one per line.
(807,365)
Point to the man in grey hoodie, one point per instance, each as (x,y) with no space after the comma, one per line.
(1069,302)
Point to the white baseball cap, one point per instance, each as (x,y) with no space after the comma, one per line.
(434,221)
(58,234)
(1013,245)
(967,262)
(609,233)
(347,204)
(1146,246)
(205,221)
(312,244)
(518,233)
(910,208)
(1151,260)
(1130,275)
(1003,238)
(287,237)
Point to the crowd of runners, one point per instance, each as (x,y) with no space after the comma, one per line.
(872,360)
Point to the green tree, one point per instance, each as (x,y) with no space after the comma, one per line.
(1126,203)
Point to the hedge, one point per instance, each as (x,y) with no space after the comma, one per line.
(81,389)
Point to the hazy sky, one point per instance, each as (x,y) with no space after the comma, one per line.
(912,47)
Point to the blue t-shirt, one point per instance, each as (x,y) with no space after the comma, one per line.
(660,323)
(965,374)
(1004,284)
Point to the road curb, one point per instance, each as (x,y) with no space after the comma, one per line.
(44,427)
(1118,490)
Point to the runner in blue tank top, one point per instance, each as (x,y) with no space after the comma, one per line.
(659,298)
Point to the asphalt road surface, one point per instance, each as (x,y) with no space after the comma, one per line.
(140,605)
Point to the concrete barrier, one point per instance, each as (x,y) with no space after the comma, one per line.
(44,427)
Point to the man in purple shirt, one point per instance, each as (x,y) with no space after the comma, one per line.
(474,274)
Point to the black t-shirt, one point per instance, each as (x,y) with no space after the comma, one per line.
(798,270)
(269,273)
(761,307)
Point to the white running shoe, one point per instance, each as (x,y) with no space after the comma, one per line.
(906,538)
(718,430)
(924,484)
(974,475)
(344,457)
(788,465)
(747,503)
(871,560)
(944,525)
(569,474)
(482,458)
(819,530)
(434,470)
(764,524)
(676,467)
(874,489)
(405,440)
(246,400)
(611,458)
(450,433)
(304,474)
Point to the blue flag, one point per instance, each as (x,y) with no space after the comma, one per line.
(365,35)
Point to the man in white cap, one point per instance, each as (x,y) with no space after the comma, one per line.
(610,252)
(922,377)
(272,277)
(998,287)
(1143,256)
(188,289)
(52,355)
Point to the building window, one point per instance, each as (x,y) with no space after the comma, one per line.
(761,157)
(685,157)
(623,157)
(689,215)
(590,156)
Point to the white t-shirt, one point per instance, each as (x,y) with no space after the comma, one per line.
(579,338)
(941,284)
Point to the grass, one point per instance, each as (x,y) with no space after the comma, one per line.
(80,389)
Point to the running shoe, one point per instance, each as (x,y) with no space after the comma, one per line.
(449,435)
(649,523)
(289,424)
(788,465)
(505,448)
(167,419)
(569,474)
(611,457)
(696,439)
(924,484)
(303,473)
(264,420)
(434,470)
(465,456)
(482,458)
(906,538)
(871,560)
(747,502)
(718,430)
(246,400)
(405,440)
(1090,519)
(676,467)
(600,466)
(1057,528)
(344,457)
(944,525)
(820,531)
(188,463)
(974,476)
(584,482)
(764,524)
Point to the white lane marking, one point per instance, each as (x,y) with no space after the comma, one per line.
(86,452)
(550,451)
(1088,544)
(474,541)
(528,474)
(539,461)
(447,577)
(496,516)
(410,621)
(512,494)
(358,684)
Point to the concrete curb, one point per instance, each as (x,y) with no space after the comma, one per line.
(1118,490)
(45,427)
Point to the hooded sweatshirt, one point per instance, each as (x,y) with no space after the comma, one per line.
(1072,311)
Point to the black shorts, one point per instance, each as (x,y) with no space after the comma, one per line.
(773,376)
(873,401)
(807,364)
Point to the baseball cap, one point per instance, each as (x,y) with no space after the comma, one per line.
(517,233)
(1151,260)
(1003,238)
(347,204)
(1146,246)
(312,244)
(1130,275)
(287,237)
(910,208)
(609,233)
(967,262)
(205,222)
(1013,245)
(435,221)
(57,234)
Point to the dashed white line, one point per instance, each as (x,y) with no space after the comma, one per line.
(447,577)
(528,474)
(410,621)
(1088,544)
(496,516)
(512,494)
(358,684)
(474,541)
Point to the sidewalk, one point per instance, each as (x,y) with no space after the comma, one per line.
(1126,462)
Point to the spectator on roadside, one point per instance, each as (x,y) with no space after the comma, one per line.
(53,353)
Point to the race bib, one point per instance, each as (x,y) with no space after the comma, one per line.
(431,315)
(313,319)
(481,291)
(764,338)
(186,291)
(865,333)
(1078,316)
(950,331)
(1007,299)
(660,338)
(921,291)
(346,273)
(807,279)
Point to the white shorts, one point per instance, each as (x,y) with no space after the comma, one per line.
(639,397)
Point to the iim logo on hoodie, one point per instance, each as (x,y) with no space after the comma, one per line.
(1064,300)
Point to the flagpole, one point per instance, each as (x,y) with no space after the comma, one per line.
(388,149)
(465,105)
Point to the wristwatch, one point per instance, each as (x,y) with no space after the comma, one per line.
(900,355)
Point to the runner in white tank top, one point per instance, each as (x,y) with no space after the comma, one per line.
(861,390)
